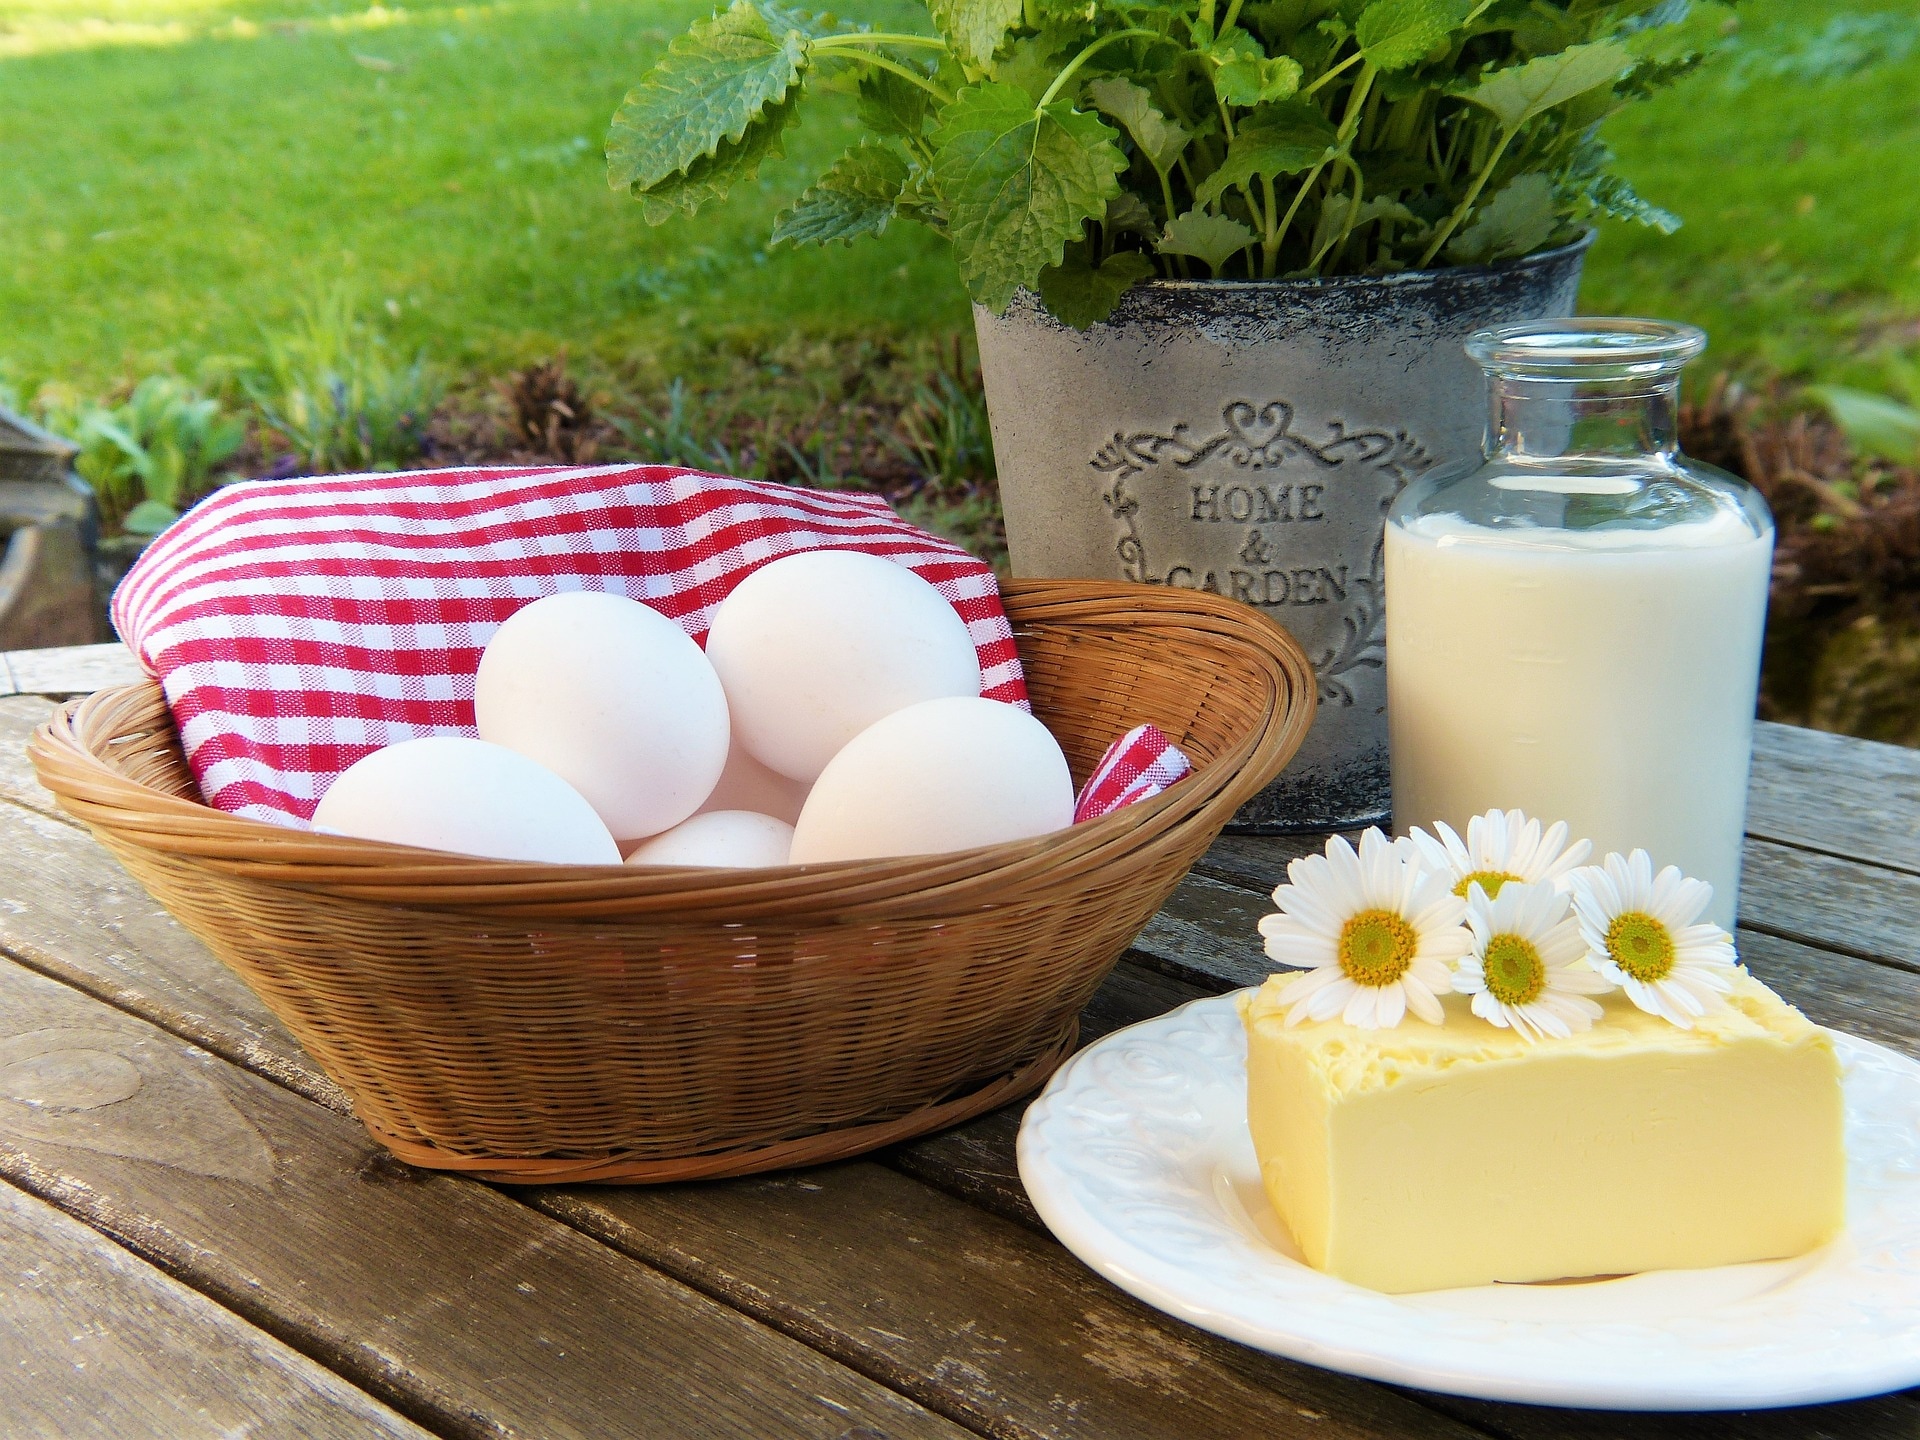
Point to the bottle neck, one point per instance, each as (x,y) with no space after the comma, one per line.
(1534,419)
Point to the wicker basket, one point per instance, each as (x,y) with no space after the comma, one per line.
(536,1023)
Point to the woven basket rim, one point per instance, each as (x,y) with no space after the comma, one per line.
(66,752)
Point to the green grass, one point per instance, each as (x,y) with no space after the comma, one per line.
(1801,248)
(164,202)
(182,173)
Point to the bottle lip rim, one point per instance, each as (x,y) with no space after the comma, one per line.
(1596,347)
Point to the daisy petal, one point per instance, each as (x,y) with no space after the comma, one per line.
(1423,1002)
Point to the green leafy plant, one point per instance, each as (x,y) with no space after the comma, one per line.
(943,430)
(1883,426)
(681,433)
(336,395)
(1077,146)
(151,456)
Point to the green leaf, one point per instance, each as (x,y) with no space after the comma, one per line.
(1215,239)
(1519,93)
(715,83)
(1877,424)
(1159,139)
(711,178)
(1280,20)
(1284,141)
(1018,184)
(1128,214)
(149,517)
(1030,63)
(1079,295)
(1339,217)
(975,28)
(855,197)
(1394,34)
(1612,196)
(1254,82)
(1517,221)
(891,104)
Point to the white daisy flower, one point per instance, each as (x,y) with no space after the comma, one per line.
(1502,846)
(1641,934)
(1528,967)
(1377,935)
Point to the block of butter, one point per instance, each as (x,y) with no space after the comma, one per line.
(1431,1156)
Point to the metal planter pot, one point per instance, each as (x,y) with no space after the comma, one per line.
(1246,437)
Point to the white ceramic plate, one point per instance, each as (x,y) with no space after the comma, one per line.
(1137,1156)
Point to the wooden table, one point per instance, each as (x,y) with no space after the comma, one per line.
(198,1240)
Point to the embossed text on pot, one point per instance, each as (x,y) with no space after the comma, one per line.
(1246,437)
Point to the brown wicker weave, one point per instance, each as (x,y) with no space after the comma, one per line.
(538,1023)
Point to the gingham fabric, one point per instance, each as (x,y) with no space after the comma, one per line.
(297,625)
(1136,767)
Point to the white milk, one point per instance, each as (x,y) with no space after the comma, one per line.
(1604,678)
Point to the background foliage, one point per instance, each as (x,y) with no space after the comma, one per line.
(189,181)
(235,157)
(1078,146)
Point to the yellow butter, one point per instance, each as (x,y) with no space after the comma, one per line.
(1426,1157)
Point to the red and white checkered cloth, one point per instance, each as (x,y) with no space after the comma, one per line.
(1136,767)
(296,625)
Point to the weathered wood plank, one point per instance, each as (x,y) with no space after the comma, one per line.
(68,910)
(1849,797)
(1884,1417)
(20,716)
(67,670)
(99,1345)
(977,1161)
(174,974)
(1836,904)
(993,1325)
(455,1304)
(1878,1002)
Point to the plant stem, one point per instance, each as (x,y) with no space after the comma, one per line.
(877,37)
(1073,65)
(1233,14)
(904,72)
(1356,99)
(1286,221)
(1270,244)
(1351,59)
(1353,209)
(1473,194)
(1368,128)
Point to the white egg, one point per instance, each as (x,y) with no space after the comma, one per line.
(445,792)
(746,784)
(815,647)
(734,839)
(941,775)
(615,699)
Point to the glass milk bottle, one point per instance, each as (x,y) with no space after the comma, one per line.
(1574,627)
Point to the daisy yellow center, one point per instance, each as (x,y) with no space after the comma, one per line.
(1488,880)
(1640,945)
(1514,971)
(1377,947)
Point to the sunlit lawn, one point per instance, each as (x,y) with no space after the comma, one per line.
(181,173)
(164,201)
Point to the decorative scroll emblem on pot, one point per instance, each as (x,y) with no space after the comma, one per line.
(1261,512)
